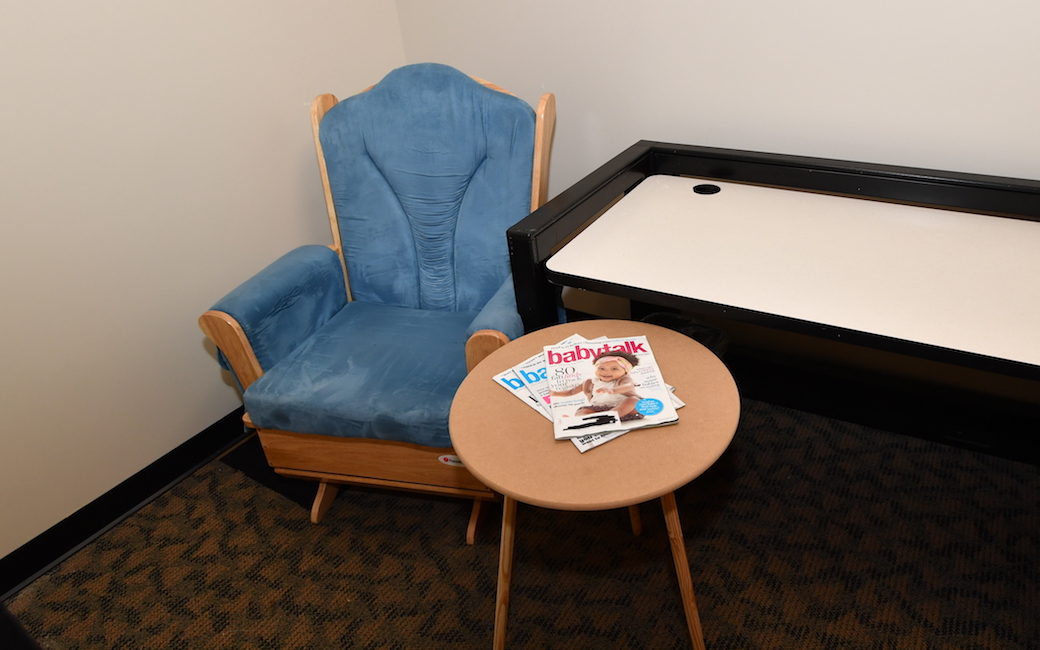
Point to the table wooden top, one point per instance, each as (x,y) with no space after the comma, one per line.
(511,448)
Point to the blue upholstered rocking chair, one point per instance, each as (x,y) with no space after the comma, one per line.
(349,355)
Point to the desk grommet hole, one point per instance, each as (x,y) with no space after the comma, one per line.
(707,188)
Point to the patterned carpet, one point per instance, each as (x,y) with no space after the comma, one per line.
(808,533)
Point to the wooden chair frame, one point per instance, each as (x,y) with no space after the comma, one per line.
(333,460)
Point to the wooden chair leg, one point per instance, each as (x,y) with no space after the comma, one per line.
(323,500)
(637,522)
(474,519)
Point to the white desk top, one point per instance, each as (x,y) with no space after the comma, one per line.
(951,279)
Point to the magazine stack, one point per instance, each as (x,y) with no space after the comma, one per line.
(594,390)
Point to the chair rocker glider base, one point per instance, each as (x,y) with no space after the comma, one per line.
(327,492)
(328,489)
(335,461)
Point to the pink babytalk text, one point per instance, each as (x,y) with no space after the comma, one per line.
(580,352)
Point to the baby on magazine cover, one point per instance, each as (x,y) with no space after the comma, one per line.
(611,389)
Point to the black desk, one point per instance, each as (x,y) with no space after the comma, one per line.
(937,265)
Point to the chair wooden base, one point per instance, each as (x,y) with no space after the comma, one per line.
(323,500)
(335,461)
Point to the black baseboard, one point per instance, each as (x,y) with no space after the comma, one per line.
(37,556)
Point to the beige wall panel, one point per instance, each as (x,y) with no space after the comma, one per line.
(154,155)
(946,85)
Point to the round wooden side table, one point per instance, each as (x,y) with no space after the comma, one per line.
(509,447)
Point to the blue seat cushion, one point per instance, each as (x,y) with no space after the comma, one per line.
(372,371)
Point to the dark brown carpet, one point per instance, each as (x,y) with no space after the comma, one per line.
(808,533)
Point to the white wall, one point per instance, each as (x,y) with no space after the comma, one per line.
(944,84)
(152,156)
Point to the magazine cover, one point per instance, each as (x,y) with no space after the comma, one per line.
(592,440)
(532,373)
(512,382)
(527,382)
(605,386)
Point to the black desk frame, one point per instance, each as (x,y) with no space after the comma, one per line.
(534,239)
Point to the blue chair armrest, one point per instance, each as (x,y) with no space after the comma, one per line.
(282,305)
(500,313)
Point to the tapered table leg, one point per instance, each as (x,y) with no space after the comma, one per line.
(474,519)
(682,570)
(505,571)
(637,522)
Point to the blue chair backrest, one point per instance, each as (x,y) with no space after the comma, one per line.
(428,169)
